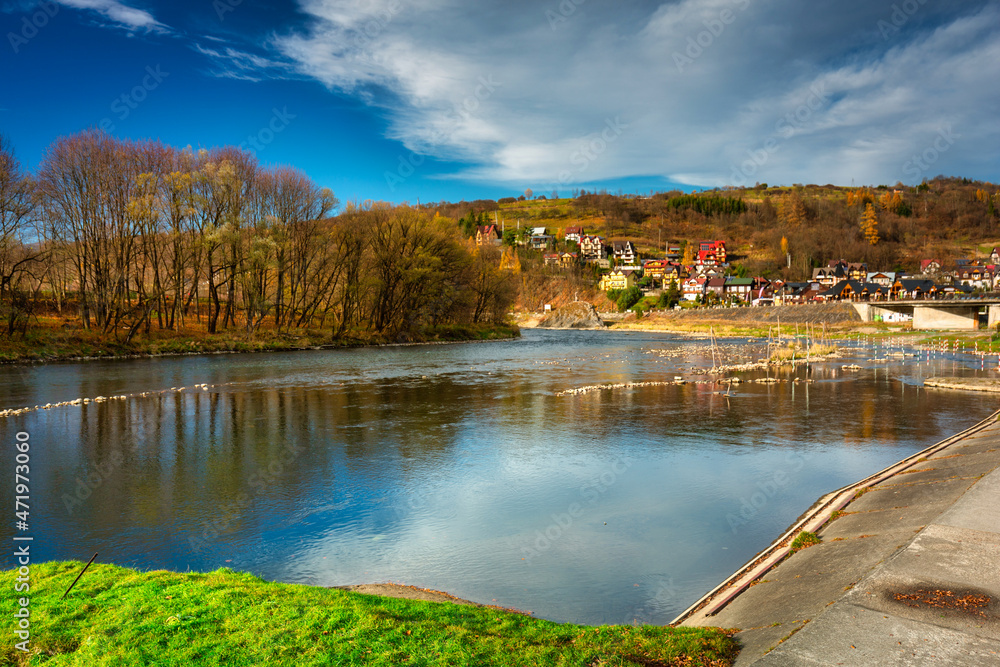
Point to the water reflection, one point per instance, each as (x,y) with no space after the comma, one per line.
(459,468)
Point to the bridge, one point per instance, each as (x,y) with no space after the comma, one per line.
(936,313)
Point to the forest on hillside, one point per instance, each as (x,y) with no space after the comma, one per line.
(888,227)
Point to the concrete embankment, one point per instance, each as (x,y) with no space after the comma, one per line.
(905,574)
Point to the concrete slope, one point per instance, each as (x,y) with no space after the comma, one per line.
(908,573)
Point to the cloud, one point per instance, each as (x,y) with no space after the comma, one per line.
(706,92)
(234,63)
(118,12)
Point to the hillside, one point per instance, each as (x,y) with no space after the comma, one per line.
(945,218)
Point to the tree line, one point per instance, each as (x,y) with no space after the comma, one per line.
(129,235)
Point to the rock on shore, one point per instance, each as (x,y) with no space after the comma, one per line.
(577,315)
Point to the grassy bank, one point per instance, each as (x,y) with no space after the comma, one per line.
(118,616)
(52,340)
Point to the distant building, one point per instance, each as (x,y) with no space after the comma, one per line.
(905,288)
(488,234)
(715,286)
(540,238)
(930,266)
(573,234)
(712,253)
(592,248)
(738,288)
(856,290)
(619,279)
(886,278)
(624,252)
(694,288)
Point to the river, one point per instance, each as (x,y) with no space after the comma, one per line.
(461,467)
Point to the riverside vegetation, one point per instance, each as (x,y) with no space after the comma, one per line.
(118,246)
(118,616)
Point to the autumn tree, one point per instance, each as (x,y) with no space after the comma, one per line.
(869,225)
(20,263)
(494,288)
(88,182)
(793,210)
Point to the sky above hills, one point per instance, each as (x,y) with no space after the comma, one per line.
(442,99)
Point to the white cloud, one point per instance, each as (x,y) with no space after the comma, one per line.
(234,63)
(698,87)
(120,13)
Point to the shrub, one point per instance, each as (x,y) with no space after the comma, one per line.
(804,540)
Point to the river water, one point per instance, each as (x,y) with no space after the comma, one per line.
(461,467)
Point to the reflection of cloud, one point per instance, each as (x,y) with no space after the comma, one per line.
(420,59)
(122,14)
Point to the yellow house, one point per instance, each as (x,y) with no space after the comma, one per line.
(618,279)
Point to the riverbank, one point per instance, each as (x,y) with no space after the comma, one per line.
(55,343)
(117,616)
(903,570)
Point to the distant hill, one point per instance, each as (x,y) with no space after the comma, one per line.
(945,218)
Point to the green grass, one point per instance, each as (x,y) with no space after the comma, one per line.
(118,616)
(804,540)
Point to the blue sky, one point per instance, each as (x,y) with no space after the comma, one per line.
(443,100)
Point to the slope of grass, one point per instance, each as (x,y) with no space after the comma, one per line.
(118,616)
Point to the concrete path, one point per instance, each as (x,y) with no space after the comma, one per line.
(908,573)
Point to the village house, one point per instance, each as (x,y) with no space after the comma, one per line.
(694,288)
(953,291)
(855,290)
(673,271)
(624,252)
(884,278)
(828,276)
(653,268)
(738,289)
(573,234)
(798,292)
(564,260)
(762,291)
(857,271)
(568,259)
(488,234)
(592,248)
(710,271)
(540,238)
(930,266)
(716,286)
(995,256)
(712,253)
(906,288)
(974,276)
(619,279)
